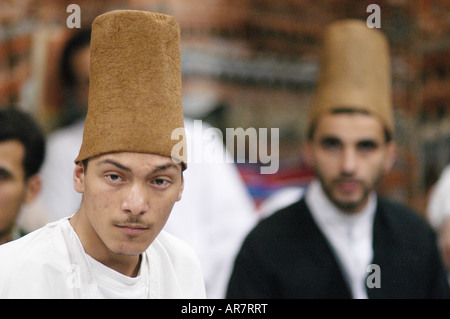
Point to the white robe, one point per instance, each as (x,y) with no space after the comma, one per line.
(51,263)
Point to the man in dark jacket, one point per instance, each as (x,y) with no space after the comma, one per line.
(342,240)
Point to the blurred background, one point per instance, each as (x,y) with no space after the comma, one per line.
(253,63)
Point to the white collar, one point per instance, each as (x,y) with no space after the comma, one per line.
(350,235)
(327,214)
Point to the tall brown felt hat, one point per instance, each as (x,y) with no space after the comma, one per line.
(355,72)
(135,85)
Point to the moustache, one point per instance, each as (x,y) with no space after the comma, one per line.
(133,222)
(347,180)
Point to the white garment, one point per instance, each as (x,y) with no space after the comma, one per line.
(214,215)
(114,285)
(51,263)
(350,235)
(439,204)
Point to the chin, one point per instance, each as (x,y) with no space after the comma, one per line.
(349,205)
(129,249)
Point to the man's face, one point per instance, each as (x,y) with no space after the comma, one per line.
(12,184)
(350,155)
(127,199)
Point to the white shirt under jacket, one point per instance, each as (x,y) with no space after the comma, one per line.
(350,235)
(51,263)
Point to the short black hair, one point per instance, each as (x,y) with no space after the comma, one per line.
(16,125)
(347,110)
(85,163)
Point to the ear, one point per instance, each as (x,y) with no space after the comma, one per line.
(391,155)
(32,188)
(78,178)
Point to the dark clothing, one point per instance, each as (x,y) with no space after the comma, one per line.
(287,256)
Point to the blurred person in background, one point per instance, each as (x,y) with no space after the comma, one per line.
(343,240)
(58,197)
(22,147)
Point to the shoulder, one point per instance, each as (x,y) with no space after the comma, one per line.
(400,213)
(403,221)
(29,260)
(173,246)
(30,247)
(173,250)
(175,259)
(284,220)
(279,231)
(25,247)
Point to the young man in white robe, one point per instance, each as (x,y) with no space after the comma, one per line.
(114,246)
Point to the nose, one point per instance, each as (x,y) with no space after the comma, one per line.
(136,201)
(349,161)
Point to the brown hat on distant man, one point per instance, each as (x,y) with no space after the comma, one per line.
(355,72)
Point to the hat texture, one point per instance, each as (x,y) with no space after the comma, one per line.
(355,72)
(135,85)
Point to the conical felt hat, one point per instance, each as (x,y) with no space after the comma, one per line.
(135,85)
(355,72)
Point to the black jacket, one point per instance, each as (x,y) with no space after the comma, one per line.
(287,256)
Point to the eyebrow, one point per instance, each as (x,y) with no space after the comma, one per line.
(335,139)
(164,167)
(329,138)
(157,169)
(109,161)
(369,141)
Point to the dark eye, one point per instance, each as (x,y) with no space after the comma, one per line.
(113,178)
(330,143)
(161,182)
(4,174)
(367,145)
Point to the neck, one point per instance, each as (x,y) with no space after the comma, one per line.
(127,265)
